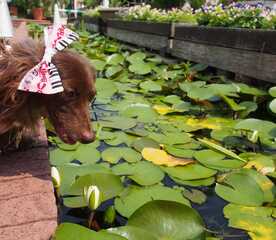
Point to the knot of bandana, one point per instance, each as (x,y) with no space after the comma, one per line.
(44,78)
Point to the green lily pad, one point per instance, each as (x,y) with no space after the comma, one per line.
(136,57)
(60,157)
(215,160)
(132,233)
(87,154)
(113,70)
(98,64)
(195,183)
(169,220)
(272,105)
(69,172)
(272,91)
(179,152)
(115,59)
(240,188)
(118,122)
(140,68)
(114,154)
(135,197)
(151,86)
(189,172)
(74,202)
(144,142)
(109,184)
(195,195)
(143,173)
(71,231)
(141,113)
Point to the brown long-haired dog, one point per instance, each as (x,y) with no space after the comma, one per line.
(67,111)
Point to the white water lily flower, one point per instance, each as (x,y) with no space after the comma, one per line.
(92,196)
(55,177)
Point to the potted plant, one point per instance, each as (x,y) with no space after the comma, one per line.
(38,10)
(18,7)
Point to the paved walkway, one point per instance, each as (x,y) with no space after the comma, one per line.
(27,203)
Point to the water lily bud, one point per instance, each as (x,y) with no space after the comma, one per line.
(254,137)
(55,177)
(92,197)
(110,215)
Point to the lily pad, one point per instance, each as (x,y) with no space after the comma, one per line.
(169,220)
(143,173)
(68,173)
(141,113)
(135,197)
(217,160)
(117,122)
(195,183)
(160,157)
(151,86)
(144,142)
(189,172)
(71,231)
(132,233)
(113,70)
(115,59)
(136,57)
(109,184)
(240,188)
(114,154)
(141,68)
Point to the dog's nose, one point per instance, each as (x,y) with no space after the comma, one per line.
(87,137)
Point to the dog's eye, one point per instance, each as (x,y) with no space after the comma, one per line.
(71,94)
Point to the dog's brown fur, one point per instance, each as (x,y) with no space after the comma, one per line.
(67,111)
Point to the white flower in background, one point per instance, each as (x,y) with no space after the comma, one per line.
(212,2)
(92,196)
(55,177)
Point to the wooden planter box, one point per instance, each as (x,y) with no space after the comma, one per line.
(248,52)
(92,24)
(154,36)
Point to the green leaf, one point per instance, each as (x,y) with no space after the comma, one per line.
(60,157)
(215,160)
(87,154)
(135,197)
(109,184)
(70,231)
(151,86)
(169,220)
(111,71)
(98,64)
(136,57)
(232,104)
(189,172)
(68,174)
(144,142)
(118,122)
(115,59)
(240,188)
(195,195)
(221,149)
(114,154)
(272,105)
(142,113)
(132,233)
(195,183)
(143,173)
(140,68)
(272,91)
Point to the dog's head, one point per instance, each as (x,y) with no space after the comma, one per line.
(67,111)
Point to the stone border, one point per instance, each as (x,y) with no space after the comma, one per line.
(28,208)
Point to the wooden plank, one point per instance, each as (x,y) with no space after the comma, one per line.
(150,41)
(161,29)
(252,64)
(247,39)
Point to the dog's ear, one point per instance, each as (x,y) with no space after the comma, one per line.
(21,33)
